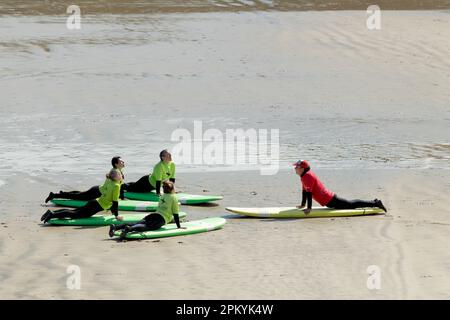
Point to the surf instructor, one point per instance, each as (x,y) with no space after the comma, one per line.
(162,171)
(313,188)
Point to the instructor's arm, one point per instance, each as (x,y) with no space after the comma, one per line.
(303,200)
(309,200)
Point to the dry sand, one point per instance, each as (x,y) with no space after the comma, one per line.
(341,96)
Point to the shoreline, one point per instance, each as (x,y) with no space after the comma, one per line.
(29,7)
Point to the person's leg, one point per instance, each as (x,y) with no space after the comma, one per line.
(91,208)
(151,222)
(137,227)
(88,210)
(141,186)
(91,194)
(54,211)
(154,221)
(122,226)
(65,213)
(126,225)
(341,203)
(50,213)
(46,215)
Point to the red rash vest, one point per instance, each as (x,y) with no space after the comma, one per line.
(311,183)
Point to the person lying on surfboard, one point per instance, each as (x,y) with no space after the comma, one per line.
(167,211)
(312,188)
(162,171)
(108,200)
(94,192)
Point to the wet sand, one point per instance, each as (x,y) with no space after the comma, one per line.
(369,110)
(318,77)
(53,7)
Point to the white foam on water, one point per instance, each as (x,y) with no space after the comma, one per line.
(2,183)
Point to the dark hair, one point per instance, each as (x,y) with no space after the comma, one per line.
(305,171)
(168,186)
(114,161)
(162,153)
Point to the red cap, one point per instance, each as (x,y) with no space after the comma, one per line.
(301,164)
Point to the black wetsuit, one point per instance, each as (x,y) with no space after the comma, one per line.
(143,185)
(86,211)
(340,203)
(153,221)
(337,202)
(92,193)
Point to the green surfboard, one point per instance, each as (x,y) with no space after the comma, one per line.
(103,220)
(171,230)
(293,212)
(183,198)
(124,205)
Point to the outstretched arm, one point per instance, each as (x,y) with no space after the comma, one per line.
(115,208)
(158,187)
(175,210)
(122,192)
(176,217)
(304,196)
(309,200)
(115,200)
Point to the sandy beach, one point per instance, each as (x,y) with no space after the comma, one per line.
(370,110)
(323,258)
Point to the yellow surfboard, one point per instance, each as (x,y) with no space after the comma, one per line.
(293,212)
